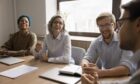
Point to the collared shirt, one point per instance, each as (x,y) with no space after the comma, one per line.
(24,41)
(136,61)
(59,49)
(109,55)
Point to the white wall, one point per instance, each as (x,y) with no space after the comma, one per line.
(37,10)
(6,19)
(51,9)
(40,12)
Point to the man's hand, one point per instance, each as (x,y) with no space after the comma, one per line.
(89,79)
(90,69)
(84,63)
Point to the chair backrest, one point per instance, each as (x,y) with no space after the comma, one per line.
(77,54)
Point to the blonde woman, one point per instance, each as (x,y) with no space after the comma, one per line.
(57,44)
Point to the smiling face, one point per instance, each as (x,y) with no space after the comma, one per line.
(23,23)
(57,25)
(106,27)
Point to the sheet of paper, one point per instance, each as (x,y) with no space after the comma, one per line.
(11,60)
(18,71)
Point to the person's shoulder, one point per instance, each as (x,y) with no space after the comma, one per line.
(65,33)
(32,33)
(99,39)
(14,34)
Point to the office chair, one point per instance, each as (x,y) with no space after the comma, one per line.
(77,54)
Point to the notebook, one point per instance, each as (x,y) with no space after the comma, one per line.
(10,60)
(3,56)
(74,70)
(18,71)
(54,75)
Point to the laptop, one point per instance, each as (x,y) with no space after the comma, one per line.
(10,60)
(54,75)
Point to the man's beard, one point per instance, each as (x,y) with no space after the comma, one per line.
(107,37)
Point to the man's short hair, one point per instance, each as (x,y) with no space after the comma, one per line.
(133,7)
(104,15)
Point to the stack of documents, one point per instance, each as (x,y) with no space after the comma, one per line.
(10,60)
(18,71)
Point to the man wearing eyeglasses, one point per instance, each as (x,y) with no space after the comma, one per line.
(105,51)
(130,34)
(129,39)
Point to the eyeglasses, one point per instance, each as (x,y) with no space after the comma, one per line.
(121,21)
(108,25)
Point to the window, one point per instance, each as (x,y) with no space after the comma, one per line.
(123,2)
(80,15)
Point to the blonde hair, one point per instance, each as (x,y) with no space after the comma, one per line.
(51,22)
(104,15)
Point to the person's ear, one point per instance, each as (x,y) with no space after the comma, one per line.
(138,24)
(114,25)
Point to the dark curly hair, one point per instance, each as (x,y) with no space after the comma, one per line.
(23,17)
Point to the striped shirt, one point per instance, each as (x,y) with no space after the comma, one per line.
(108,55)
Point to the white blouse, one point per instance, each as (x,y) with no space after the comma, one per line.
(59,49)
